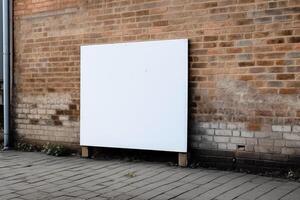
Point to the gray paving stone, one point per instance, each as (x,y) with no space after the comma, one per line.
(213,193)
(191,194)
(279,192)
(38,176)
(294,195)
(259,191)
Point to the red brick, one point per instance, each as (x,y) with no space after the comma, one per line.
(254,126)
(288,91)
(285,76)
(241,51)
(264,113)
(246,64)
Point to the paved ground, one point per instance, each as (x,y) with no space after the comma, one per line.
(38,176)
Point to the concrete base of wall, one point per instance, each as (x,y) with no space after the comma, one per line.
(235,160)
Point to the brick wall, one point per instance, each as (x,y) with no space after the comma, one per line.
(244,66)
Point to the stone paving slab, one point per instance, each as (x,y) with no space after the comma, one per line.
(38,176)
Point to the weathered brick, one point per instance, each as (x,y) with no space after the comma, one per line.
(291,136)
(294,40)
(203,145)
(223,132)
(206,138)
(244,57)
(223,125)
(222,146)
(279,143)
(265,142)
(204,125)
(243,70)
(232,126)
(263,20)
(285,76)
(295,144)
(210,38)
(236,133)
(263,149)
(288,151)
(221,139)
(210,131)
(288,91)
(251,141)
(238,140)
(214,125)
(246,64)
(293,55)
(247,134)
(275,41)
(296,129)
(279,128)
(231,146)
(245,43)
(276,135)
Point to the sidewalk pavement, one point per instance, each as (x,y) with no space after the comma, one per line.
(38,176)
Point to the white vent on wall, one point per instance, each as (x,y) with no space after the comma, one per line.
(134,95)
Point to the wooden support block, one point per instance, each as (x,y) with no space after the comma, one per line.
(85,152)
(182,159)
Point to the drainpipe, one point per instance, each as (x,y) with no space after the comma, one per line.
(6,12)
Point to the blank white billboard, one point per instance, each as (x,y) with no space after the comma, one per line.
(134,95)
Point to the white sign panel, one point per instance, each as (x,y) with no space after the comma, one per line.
(134,95)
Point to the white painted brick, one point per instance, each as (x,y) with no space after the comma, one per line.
(222,146)
(204,124)
(223,132)
(262,134)
(291,136)
(238,140)
(276,135)
(288,151)
(206,138)
(214,125)
(279,128)
(206,145)
(249,148)
(201,131)
(265,142)
(293,144)
(210,131)
(279,143)
(222,125)
(240,125)
(251,141)
(263,149)
(221,139)
(296,129)
(247,134)
(231,146)
(236,133)
(277,149)
(231,126)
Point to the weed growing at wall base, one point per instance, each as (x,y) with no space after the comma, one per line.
(54,149)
